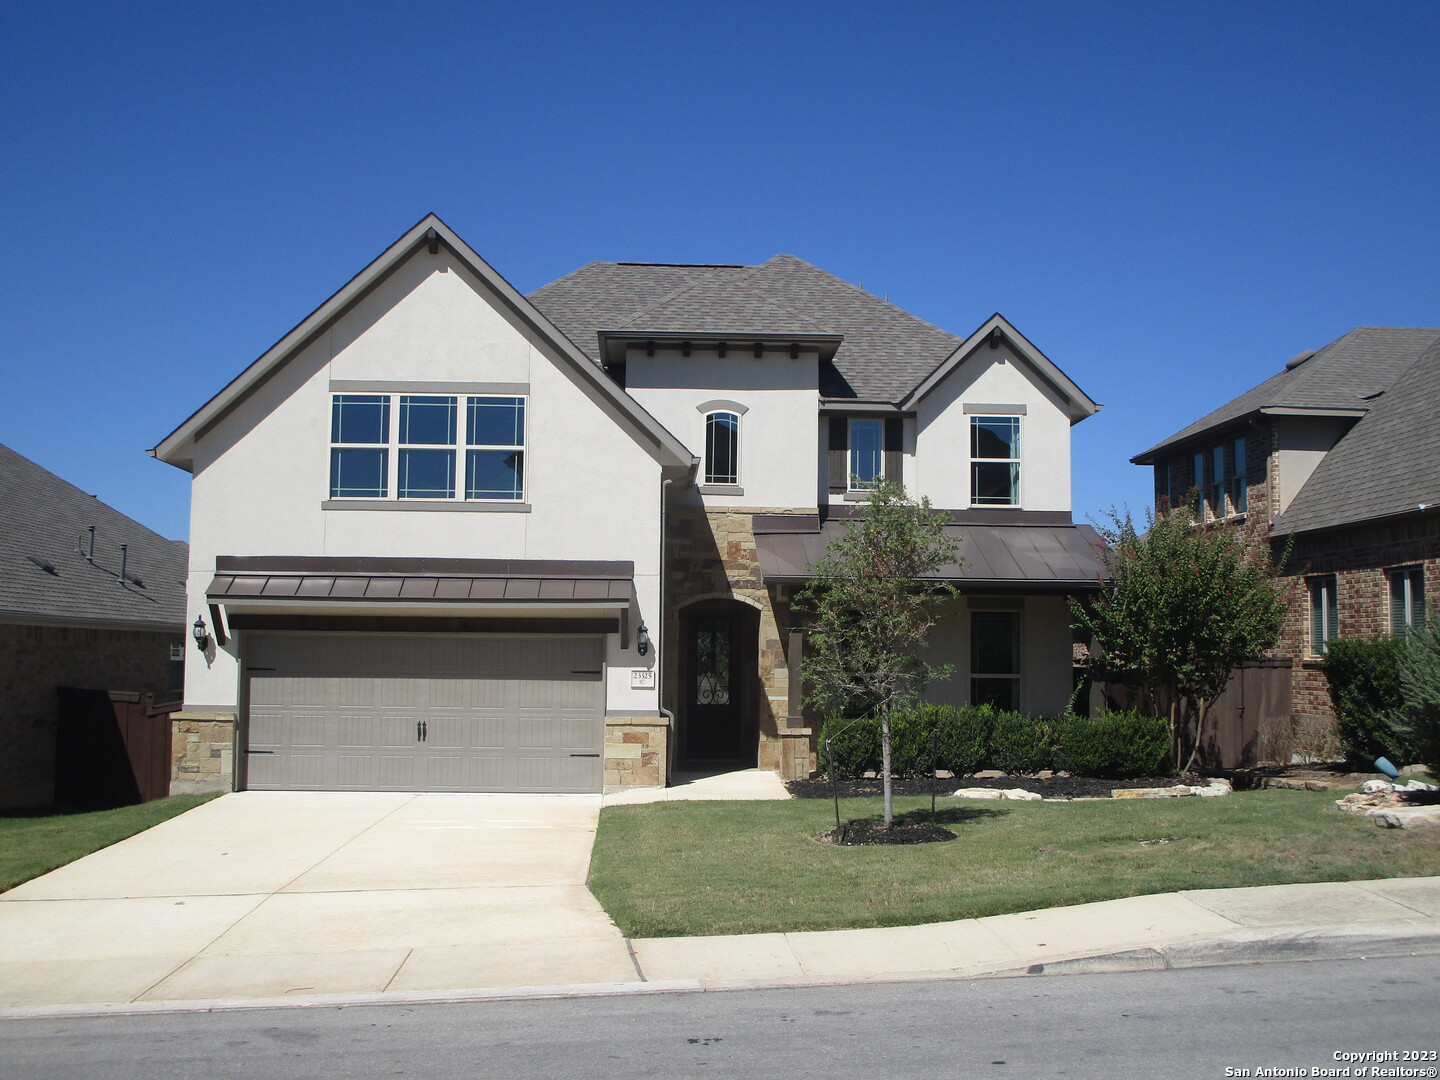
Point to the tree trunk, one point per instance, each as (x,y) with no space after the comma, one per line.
(1175,749)
(1202,714)
(885,764)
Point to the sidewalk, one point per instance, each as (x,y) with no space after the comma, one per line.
(463,934)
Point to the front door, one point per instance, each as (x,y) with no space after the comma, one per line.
(716,687)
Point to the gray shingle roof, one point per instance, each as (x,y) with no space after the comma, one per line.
(1389,462)
(43,516)
(1346,374)
(885,354)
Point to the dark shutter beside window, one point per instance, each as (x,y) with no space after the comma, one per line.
(894,444)
(839,454)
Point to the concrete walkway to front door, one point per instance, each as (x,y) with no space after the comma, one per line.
(269,894)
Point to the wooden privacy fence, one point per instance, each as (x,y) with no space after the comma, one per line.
(112,748)
(1256,699)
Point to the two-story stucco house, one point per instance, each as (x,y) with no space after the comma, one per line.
(445,536)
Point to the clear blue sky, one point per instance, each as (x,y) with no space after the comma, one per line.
(1169,199)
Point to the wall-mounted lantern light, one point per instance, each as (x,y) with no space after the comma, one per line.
(198,632)
(642,640)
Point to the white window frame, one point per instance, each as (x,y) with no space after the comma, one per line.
(1328,588)
(459,448)
(1410,614)
(1015,462)
(713,416)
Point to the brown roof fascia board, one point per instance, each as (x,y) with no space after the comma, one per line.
(615,343)
(1017,518)
(410,567)
(401,624)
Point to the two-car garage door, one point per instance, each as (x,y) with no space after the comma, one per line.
(355,712)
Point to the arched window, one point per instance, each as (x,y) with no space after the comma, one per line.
(722,448)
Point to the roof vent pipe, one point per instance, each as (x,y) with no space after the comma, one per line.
(124,554)
(90,554)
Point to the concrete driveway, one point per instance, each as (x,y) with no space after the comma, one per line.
(267,894)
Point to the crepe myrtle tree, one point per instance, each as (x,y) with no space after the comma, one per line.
(1181,607)
(869,609)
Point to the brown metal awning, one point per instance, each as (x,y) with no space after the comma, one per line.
(1029,558)
(399,582)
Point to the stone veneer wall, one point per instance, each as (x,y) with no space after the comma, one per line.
(635,751)
(34,662)
(711,555)
(202,752)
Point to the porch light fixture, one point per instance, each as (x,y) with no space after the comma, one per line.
(198,632)
(642,639)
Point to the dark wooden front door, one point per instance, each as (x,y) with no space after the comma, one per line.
(717,687)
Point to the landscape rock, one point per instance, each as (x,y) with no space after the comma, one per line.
(1017,794)
(1216,787)
(1176,792)
(1405,817)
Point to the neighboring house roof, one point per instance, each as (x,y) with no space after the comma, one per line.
(177,448)
(885,354)
(45,578)
(1342,379)
(1387,464)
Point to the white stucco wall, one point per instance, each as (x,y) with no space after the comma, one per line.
(1300,444)
(262,473)
(777,429)
(1045,674)
(942,433)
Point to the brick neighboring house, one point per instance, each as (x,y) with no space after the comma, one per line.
(1339,454)
(69,615)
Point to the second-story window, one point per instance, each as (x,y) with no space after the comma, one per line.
(722,448)
(1324,613)
(421,453)
(995,460)
(867,453)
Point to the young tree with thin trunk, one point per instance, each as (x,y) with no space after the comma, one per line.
(870,609)
(1183,606)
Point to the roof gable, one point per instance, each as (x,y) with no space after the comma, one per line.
(427,235)
(46,518)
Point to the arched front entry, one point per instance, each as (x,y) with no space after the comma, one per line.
(719,684)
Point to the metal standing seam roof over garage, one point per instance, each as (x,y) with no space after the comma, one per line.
(1011,558)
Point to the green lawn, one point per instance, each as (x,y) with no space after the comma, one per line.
(34,842)
(687,868)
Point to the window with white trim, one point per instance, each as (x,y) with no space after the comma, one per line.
(867,453)
(415,446)
(995,659)
(722,448)
(1324,613)
(995,460)
(1407,599)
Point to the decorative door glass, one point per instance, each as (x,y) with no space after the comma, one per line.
(712,662)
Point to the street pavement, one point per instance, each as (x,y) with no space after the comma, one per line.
(263,898)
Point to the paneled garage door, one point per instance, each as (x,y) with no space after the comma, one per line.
(417,713)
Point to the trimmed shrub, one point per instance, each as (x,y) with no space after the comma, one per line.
(1115,744)
(1364,678)
(910,748)
(1021,744)
(963,747)
(853,747)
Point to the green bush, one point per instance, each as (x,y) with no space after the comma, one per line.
(910,739)
(1021,744)
(963,747)
(1364,678)
(1114,744)
(849,748)
(1417,725)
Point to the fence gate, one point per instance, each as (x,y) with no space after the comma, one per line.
(112,748)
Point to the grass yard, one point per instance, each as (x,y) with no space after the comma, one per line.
(690,868)
(34,842)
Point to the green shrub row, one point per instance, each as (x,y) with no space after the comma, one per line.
(964,739)
(1364,678)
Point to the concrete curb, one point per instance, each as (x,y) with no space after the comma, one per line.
(1364,942)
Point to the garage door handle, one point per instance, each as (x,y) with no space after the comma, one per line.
(422,730)
(584,755)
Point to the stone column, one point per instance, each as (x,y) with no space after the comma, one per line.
(202,752)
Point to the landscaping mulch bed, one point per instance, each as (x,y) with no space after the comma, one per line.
(1049,787)
(864,831)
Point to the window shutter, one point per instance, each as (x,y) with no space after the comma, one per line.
(1397,602)
(894,443)
(839,454)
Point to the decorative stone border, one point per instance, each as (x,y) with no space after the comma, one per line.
(1216,787)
